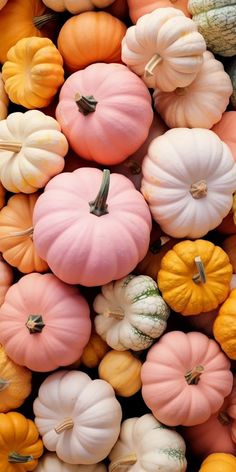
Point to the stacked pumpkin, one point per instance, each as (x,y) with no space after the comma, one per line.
(117,236)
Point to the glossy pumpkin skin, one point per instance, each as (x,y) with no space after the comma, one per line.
(229,246)
(185,378)
(51,463)
(219,462)
(115,232)
(139,8)
(19,435)
(216,22)
(231,70)
(190,295)
(225,130)
(224,328)
(16,244)
(44,323)
(90,37)
(33,72)
(123,106)
(6,278)
(4,100)
(15,383)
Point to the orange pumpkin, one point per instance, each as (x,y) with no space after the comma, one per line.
(229,246)
(90,37)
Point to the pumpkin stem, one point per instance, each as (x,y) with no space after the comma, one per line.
(193,376)
(224,418)
(118,464)
(4,384)
(199,189)
(18,458)
(134,166)
(40,21)
(86,104)
(157,245)
(151,65)
(200,277)
(35,324)
(10,146)
(180,91)
(117,314)
(99,206)
(65,425)
(25,232)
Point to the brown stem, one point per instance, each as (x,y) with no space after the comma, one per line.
(25,232)
(10,146)
(65,425)
(18,458)
(199,189)
(192,376)
(35,324)
(200,277)
(224,418)
(99,206)
(40,21)
(135,167)
(117,314)
(4,384)
(181,91)
(151,65)
(121,462)
(86,104)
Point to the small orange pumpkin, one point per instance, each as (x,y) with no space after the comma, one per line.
(229,246)
(93,353)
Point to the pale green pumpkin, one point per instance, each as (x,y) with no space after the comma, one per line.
(216,21)
(231,70)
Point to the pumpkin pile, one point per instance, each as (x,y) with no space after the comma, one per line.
(117,236)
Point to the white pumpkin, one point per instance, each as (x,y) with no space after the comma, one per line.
(145,445)
(164,48)
(77,6)
(132,313)
(4,100)
(189,176)
(186,106)
(32,150)
(51,463)
(77,417)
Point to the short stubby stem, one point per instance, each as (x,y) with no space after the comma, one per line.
(10,146)
(151,65)
(193,376)
(117,314)
(224,418)
(65,425)
(35,324)
(16,458)
(199,189)
(99,206)
(125,461)
(200,277)
(86,104)
(180,91)
(4,384)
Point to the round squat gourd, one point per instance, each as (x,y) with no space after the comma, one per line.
(139,8)
(51,463)
(224,327)
(219,462)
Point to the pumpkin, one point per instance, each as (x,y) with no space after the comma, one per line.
(231,70)
(32,150)
(44,323)
(145,444)
(16,234)
(225,130)
(6,279)
(122,370)
(164,48)
(119,8)
(139,8)
(94,352)
(224,327)
(3,3)
(23,18)
(90,37)
(20,443)
(102,127)
(186,106)
(51,463)
(33,72)
(4,100)
(131,313)
(229,246)
(77,417)
(185,378)
(103,229)
(219,462)
(188,197)
(216,22)
(15,383)
(74,7)
(194,277)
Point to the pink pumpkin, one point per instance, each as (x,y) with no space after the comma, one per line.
(88,239)
(105,112)
(225,129)
(185,378)
(44,323)
(139,8)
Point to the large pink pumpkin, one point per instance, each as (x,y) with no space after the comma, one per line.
(86,236)
(139,8)
(44,323)
(185,378)
(225,129)
(105,112)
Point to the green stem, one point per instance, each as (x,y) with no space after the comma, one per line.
(99,206)
(224,418)
(40,21)
(200,277)
(18,458)
(86,104)
(193,376)
(4,384)
(35,324)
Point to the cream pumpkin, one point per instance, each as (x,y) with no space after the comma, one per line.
(164,48)
(188,197)
(32,150)
(4,100)
(51,463)
(75,6)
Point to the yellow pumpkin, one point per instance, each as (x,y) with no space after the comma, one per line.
(94,351)
(15,383)
(229,246)
(33,72)
(4,100)
(122,370)
(219,462)
(224,328)
(20,446)
(195,277)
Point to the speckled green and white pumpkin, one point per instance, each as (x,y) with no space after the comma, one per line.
(146,445)
(231,70)
(131,313)
(216,20)
(50,462)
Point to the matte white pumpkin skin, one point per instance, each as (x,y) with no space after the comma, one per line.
(4,100)
(216,21)
(166,32)
(175,162)
(51,463)
(152,445)
(90,404)
(78,6)
(42,152)
(202,103)
(132,313)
